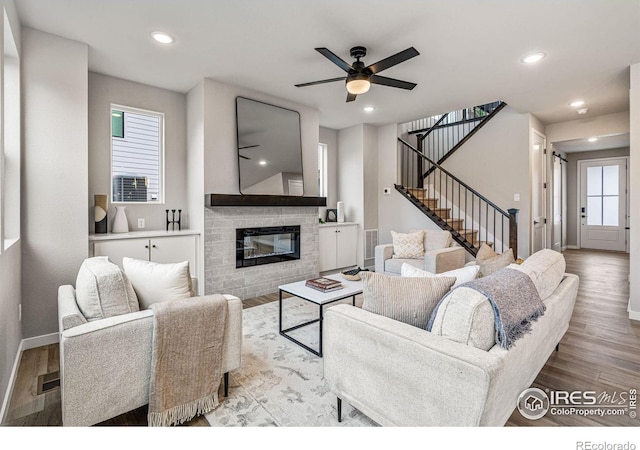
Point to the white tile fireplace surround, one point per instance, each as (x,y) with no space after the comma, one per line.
(221,274)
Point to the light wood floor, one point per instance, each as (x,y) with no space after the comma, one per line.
(600,352)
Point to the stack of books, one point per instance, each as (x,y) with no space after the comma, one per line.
(324,284)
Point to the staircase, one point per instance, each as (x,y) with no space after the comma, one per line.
(448,201)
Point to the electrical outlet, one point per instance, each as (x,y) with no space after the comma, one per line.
(140,223)
(20,312)
(516,197)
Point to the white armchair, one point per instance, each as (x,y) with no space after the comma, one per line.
(440,255)
(105,364)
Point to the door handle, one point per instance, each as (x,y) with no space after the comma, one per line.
(536,222)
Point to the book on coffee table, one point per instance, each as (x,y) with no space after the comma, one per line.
(323,284)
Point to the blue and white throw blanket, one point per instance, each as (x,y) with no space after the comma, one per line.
(515,302)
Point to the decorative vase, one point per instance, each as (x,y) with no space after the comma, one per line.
(100,213)
(340,213)
(120,224)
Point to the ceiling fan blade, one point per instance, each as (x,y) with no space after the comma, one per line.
(330,80)
(393,60)
(334,58)
(351,97)
(392,82)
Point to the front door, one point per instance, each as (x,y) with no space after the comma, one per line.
(603,206)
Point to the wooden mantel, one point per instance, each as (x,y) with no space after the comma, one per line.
(215,200)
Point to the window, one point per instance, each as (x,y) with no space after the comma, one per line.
(137,155)
(322,170)
(603,195)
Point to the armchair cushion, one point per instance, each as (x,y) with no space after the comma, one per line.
(155,282)
(408,300)
(102,290)
(436,239)
(408,245)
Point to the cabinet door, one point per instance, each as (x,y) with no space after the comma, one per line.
(117,249)
(327,248)
(175,249)
(346,240)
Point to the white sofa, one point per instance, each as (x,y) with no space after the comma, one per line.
(440,255)
(105,365)
(398,374)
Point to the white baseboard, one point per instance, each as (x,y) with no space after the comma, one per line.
(12,380)
(633,315)
(572,247)
(39,341)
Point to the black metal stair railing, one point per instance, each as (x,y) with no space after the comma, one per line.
(438,137)
(453,205)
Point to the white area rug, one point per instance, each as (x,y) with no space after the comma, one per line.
(279,382)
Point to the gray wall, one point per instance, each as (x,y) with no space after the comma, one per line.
(105,90)
(634,189)
(54,217)
(572,186)
(351,179)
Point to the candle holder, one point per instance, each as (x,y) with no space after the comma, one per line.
(173,222)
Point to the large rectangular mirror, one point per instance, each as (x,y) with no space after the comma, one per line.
(269,149)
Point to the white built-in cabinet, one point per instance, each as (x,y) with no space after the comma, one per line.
(338,244)
(158,246)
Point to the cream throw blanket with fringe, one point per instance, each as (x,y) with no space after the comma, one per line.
(186,364)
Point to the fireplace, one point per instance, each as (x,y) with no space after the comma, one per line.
(267,245)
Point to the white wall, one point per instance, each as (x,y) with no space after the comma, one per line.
(220,149)
(105,90)
(591,126)
(54,217)
(330,138)
(634,189)
(351,180)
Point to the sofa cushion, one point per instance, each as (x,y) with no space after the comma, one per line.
(463,275)
(394,266)
(490,261)
(102,290)
(408,300)
(155,282)
(545,268)
(466,316)
(435,239)
(408,245)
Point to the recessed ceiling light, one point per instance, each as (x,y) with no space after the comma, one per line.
(162,37)
(593,139)
(263,163)
(577,103)
(368,109)
(582,111)
(533,58)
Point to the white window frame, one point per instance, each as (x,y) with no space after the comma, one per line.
(161,150)
(323,184)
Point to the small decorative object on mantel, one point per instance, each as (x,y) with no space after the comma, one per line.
(332,215)
(353,274)
(100,213)
(173,222)
(340,211)
(120,223)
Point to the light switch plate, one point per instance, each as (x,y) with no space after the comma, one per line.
(140,223)
(516,197)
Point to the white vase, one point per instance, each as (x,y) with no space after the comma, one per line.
(340,212)
(120,224)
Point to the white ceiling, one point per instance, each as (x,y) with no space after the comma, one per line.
(603,143)
(470,50)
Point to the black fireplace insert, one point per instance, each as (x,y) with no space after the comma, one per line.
(267,245)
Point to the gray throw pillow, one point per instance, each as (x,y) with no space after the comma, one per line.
(102,290)
(490,261)
(408,300)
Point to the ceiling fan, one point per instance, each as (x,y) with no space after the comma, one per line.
(359,78)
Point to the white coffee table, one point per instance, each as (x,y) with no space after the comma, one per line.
(298,289)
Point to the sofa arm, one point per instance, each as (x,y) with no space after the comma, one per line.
(444,259)
(68,313)
(401,375)
(231,358)
(382,253)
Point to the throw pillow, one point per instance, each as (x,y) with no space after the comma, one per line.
(463,275)
(490,261)
(408,300)
(102,290)
(545,268)
(408,245)
(155,282)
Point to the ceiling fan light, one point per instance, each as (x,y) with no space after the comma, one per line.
(358,84)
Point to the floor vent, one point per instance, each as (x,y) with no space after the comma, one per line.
(48,382)
(370,242)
